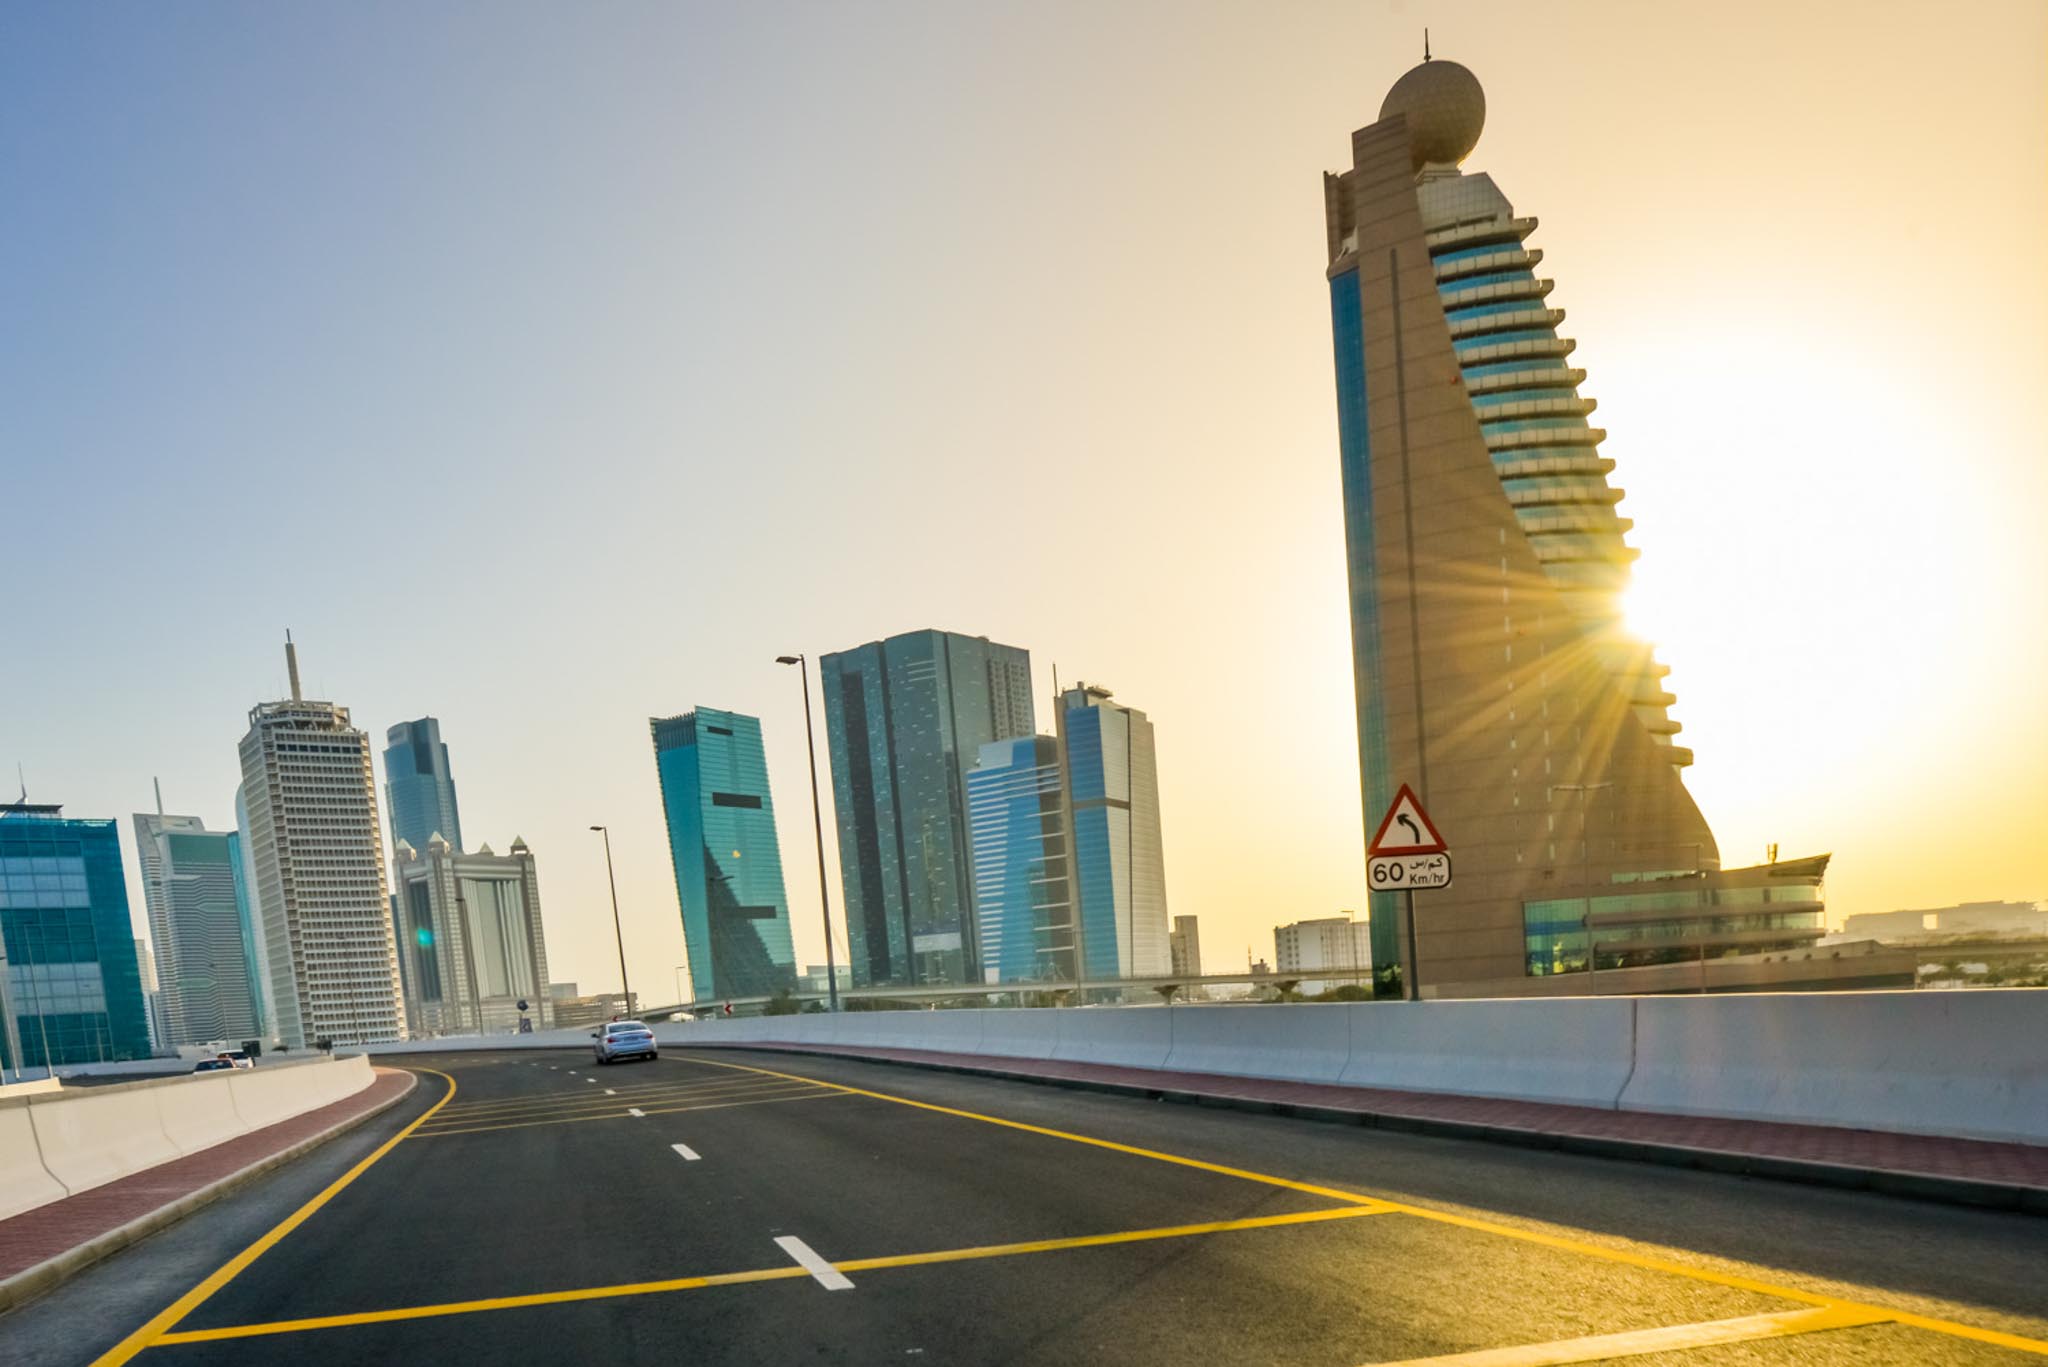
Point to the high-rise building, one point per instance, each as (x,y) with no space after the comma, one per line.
(1491,665)
(71,989)
(470,939)
(1023,905)
(322,906)
(418,786)
(1337,945)
(905,720)
(1119,864)
(200,925)
(728,862)
(1184,944)
(152,999)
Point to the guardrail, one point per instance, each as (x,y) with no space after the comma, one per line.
(55,1144)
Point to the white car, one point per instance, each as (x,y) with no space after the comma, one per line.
(624,1040)
(235,1058)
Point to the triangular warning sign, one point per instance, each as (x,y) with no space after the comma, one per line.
(1406,828)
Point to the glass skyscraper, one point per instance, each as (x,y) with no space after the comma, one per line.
(905,721)
(73,985)
(199,922)
(1119,863)
(728,863)
(1023,904)
(419,788)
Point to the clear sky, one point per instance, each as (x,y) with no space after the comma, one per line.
(547,367)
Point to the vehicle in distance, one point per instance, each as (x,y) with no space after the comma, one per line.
(234,1058)
(213,1065)
(623,1040)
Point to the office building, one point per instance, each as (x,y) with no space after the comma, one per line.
(595,1009)
(419,789)
(71,990)
(1336,945)
(905,720)
(1119,865)
(722,843)
(152,999)
(200,925)
(1017,823)
(1184,946)
(321,902)
(470,939)
(1491,665)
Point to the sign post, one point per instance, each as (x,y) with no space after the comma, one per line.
(1408,852)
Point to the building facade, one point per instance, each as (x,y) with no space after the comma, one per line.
(1184,945)
(1119,863)
(905,721)
(419,787)
(1486,559)
(1023,901)
(200,925)
(71,981)
(727,859)
(1336,945)
(322,903)
(470,940)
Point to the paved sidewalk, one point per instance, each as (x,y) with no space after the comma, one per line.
(1968,1171)
(42,1247)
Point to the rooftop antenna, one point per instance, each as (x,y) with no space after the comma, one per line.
(1425,45)
(291,662)
(159,795)
(24,783)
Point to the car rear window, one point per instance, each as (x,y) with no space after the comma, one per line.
(627,1027)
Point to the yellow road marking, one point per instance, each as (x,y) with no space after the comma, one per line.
(815,1094)
(1615,1255)
(584,1101)
(566,1094)
(233,1267)
(1639,1342)
(589,1293)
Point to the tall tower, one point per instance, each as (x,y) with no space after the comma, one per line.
(318,856)
(1023,898)
(419,787)
(905,720)
(1111,772)
(199,921)
(1486,559)
(728,861)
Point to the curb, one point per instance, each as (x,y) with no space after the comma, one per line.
(29,1283)
(1914,1186)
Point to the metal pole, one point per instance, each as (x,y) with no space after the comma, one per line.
(625,988)
(1414,968)
(818,830)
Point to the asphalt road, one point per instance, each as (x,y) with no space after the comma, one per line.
(768,1208)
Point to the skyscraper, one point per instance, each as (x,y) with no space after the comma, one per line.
(1184,943)
(728,862)
(71,984)
(419,786)
(1119,863)
(470,938)
(1491,666)
(1023,904)
(905,720)
(321,899)
(199,922)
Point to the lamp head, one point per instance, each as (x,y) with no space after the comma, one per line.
(787,659)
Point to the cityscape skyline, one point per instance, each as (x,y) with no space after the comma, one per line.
(551,749)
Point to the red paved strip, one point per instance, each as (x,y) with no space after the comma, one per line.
(35,1236)
(1869,1151)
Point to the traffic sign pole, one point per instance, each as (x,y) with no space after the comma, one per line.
(1413,856)
(1414,983)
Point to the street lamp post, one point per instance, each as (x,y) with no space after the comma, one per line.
(618,931)
(680,998)
(1586,876)
(817,828)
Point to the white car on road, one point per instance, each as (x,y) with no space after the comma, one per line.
(623,1040)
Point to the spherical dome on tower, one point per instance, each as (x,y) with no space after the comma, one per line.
(1445,109)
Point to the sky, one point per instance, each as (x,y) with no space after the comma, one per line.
(547,367)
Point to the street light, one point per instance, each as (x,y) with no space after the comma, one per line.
(817,829)
(680,998)
(1586,875)
(625,988)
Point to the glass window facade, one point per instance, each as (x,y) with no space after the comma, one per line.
(1023,902)
(418,785)
(1643,927)
(728,862)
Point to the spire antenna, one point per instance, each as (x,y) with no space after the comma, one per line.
(1425,45)
(291,663)
(159,795)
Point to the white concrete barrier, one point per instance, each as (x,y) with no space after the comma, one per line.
(1310,1042)
(266,1094)
(1021,1032)
(1964,1064)
(1527,1050)
(24,1182)
(1122,1036)
(198,1111)
(90,1136)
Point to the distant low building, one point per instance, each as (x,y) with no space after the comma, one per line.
(1332,944)
(595,1010)
(559,991)
(1967,918)
(1185,943)
(470,930)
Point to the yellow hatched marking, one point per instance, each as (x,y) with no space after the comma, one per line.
(589,1293)
(584,1101)
(622,1113)
(1639,1342)
(178,1309)
(570,1095)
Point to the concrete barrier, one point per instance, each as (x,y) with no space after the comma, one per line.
(1963,1064)
(90,1136)
(198,1112)
(1520,1050)
(24,1182)
(1123,1037)
(1022,1032)
(1310,1042)
(269,1093)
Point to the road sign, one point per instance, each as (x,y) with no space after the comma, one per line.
(1393,872)
(1406,829)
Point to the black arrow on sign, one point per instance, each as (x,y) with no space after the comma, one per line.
(1413,831)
